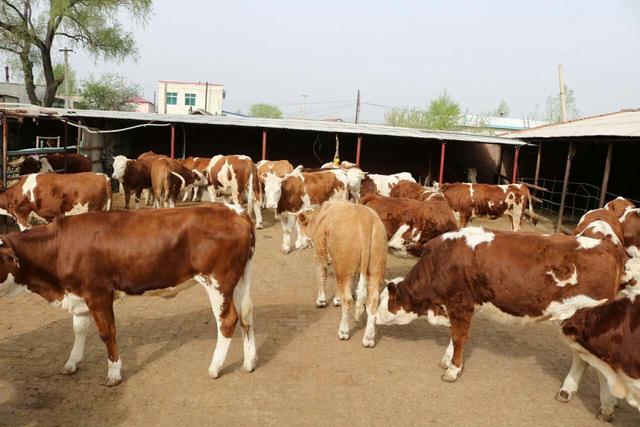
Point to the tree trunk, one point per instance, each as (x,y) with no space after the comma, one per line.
(27,69)
(49,77)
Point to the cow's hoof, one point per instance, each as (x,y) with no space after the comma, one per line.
(336,302)
(343,335)
(563,396)
(249,365)
(111,381)
(607,418)
(321,303)
(69,368)
(214,372)
(285,250)
(451,374)
(369,341)
(259,226)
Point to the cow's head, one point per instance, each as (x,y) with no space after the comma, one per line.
(354,179)
(390,310)
(272,190)
(119,166)
(200,179)
(9,270)
(45,166)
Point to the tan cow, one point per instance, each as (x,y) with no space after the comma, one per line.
(168,178)
(352,239)
(40,197)
(235,177)
(81,263)
(492,201)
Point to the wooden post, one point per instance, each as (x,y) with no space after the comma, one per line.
(499,170)
(66,138)
(5,148)
(605,177)
(184,142)
(264,144)
(515,164)
(537,175)
(443,146)
(79,139)
(173,141)
(358,146)
(565,183)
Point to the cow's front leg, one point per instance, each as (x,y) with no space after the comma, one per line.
(460,324)
(212,193)
(572,380)
(226,317)
(102,311)
(445,363)
(287,221)
(257,210)
(80,327)
(607,400)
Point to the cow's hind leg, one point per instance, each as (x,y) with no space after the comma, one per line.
(460,324)
(572,380)
(102,311)
(343,290)
(607,400)
(242,300)
(80,326)
(321,300)
(226,317)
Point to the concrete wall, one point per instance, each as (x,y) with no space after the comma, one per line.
(213,99)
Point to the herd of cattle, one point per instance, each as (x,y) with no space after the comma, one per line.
(586,283)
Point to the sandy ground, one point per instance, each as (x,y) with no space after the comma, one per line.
(305,374)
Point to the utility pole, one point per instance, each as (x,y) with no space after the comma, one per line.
(563,102)
(67,100)
(358,108)
(304,105)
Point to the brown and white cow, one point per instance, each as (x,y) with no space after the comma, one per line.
(198,164)
(528,276)
(352,239)
(272,171)
(134,175)
(168,178)
(409,223)
(212,244)
(40,197)
(354,174)
(76,163)
(607,337)
(492,201)
(629,216)
(382,184)
(300,190)
(413,190)
(235,177)
(618,205)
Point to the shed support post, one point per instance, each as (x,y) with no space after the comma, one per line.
(499,169)
(565,183)
(173,141)
(264,144)
(538,159)
(443,148)
(358,150)
(605,178)
(66,139)
(5,144)
(516,155)
(184,142)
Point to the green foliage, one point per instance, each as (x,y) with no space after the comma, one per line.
(33,30)
(442,113)
(502,110)
(110,92)
(552,106)
(265,110)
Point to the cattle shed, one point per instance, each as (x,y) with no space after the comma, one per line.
(440,155)
(583,163)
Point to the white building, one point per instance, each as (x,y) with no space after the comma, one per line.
(183,97)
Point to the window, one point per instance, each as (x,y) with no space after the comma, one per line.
(189,99)
(172,98)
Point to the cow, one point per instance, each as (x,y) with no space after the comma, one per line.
(81,263)
(301,190)
(618,205)
(271,170)
(409,223)
(198,164)
(607,338)
(353,175)
(168,178)
(236,177)
(352,239)
(53,162)
(134,175)
(629,216)
(40,197)
(382,184)
(493,201)
(413,190)
(527,276)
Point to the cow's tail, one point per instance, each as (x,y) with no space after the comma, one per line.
(365,258)
(109,193)
(183,183)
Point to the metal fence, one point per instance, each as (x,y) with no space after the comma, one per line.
(581,197)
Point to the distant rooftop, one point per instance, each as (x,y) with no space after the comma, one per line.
(499,123)
(190,83)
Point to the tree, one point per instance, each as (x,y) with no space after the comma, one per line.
(265,110)
(30,29)
(110,92)
(502,110)
(552,104)
(442,113)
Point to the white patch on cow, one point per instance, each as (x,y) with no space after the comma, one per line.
(562,310)
(491,204)
(456,215)
(45,166)
(72,303)
(385,317)
(630,292)
(628,211)
(587,242)
(114,375)
(78,209)
(384,183)
(29,186)
(572,280)
(236,208)
(119,167)
(243,157)
(632,270)
(437,320)
(633,251)
(306,200)
(272,190)
(504,188)
(470,191)
(603,228)
(397,241)
(473,236)
(34,218)
(452,373)
(9,288)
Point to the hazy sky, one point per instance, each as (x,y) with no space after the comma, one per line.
(396,52)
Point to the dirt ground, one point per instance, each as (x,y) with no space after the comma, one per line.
(305,375)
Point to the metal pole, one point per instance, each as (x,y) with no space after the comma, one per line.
(358,108)
(66,138)
(184,142)
(358,150)
(515,165)
(264,144)
(173,140)
(67,99)
(206,95)
(442,151)
(538,159)
(563,102)
(5,148)
(563,197)
(499,170)
(605,178)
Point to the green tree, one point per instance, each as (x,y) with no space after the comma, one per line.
(110,92)
(442,113)
(265,110)
(552,106)
(406,117)
(502,110)
(32,30)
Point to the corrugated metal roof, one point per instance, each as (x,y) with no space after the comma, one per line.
(625,123)
(260,123)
